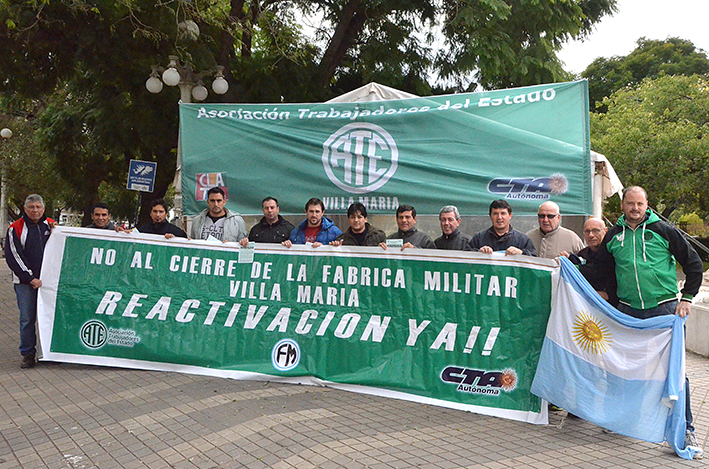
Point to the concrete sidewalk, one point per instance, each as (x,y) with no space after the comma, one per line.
(71,416)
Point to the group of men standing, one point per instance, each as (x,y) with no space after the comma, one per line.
(632,265)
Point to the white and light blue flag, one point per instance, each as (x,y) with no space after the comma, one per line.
(618,372)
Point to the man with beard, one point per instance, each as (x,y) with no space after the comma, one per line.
(316,229)
(159,224)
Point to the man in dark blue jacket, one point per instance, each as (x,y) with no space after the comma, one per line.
(501,237)
(316,229)
(24,249)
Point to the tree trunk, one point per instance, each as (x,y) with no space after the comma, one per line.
(235,21)
(351,23)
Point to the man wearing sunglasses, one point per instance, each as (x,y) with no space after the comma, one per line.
(550,239)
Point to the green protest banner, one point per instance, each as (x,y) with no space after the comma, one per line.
(525,144)
(462,330)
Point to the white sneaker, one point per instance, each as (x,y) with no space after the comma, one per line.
(691,441)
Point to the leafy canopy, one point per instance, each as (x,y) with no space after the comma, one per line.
(651,59)
(77,69)
(656,135)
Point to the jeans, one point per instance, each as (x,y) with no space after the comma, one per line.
(27,304)
(659,310)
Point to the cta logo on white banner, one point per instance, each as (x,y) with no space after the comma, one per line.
(360,157)
(285,355)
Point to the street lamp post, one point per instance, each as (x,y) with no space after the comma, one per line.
(6,134)
(191,87)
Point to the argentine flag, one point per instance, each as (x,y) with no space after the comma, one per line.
(618,372)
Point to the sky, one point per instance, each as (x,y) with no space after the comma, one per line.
(653,19)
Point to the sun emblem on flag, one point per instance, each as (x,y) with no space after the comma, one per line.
(591,334)
(508,380)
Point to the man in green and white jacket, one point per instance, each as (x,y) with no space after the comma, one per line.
(642,251)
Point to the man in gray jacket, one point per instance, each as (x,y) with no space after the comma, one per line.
(217,221)
(413,238)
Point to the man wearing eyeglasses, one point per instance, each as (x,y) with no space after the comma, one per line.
(550,239)
(593,232)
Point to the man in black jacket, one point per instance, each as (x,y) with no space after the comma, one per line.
(159,224)
(24,250)
(451,238)
(501,236)
(272,228)
(360,232)
(594,230)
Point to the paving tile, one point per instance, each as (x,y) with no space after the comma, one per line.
(73,416)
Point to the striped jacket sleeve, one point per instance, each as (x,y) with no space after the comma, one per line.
(15,256)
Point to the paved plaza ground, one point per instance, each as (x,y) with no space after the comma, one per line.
(73,416)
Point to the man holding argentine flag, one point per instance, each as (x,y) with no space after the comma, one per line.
(642,250)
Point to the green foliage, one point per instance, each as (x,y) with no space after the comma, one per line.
(82,89)
(76,71)
(691,219)
(655,135)
(651,59)
(514,43)
(693,224)
(25,172)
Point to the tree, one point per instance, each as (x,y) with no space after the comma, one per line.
(514,43)
(655,135)
(81,65)
(25,173)
(78,74)
(652,58)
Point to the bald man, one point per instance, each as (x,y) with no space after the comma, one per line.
(642,251)
(551,239)
(593,232)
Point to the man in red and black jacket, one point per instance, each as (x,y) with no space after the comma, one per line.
(24,249)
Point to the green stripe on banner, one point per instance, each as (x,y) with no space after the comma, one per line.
(452,328)
(525,144)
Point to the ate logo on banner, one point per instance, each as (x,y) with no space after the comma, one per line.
(285,355)
(93,334)
(205,181)
(360,157)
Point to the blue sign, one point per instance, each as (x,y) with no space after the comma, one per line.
(141,175)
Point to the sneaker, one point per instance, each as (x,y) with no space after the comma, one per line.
(27,362)
(608,432)
(553,408)
(691,440)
